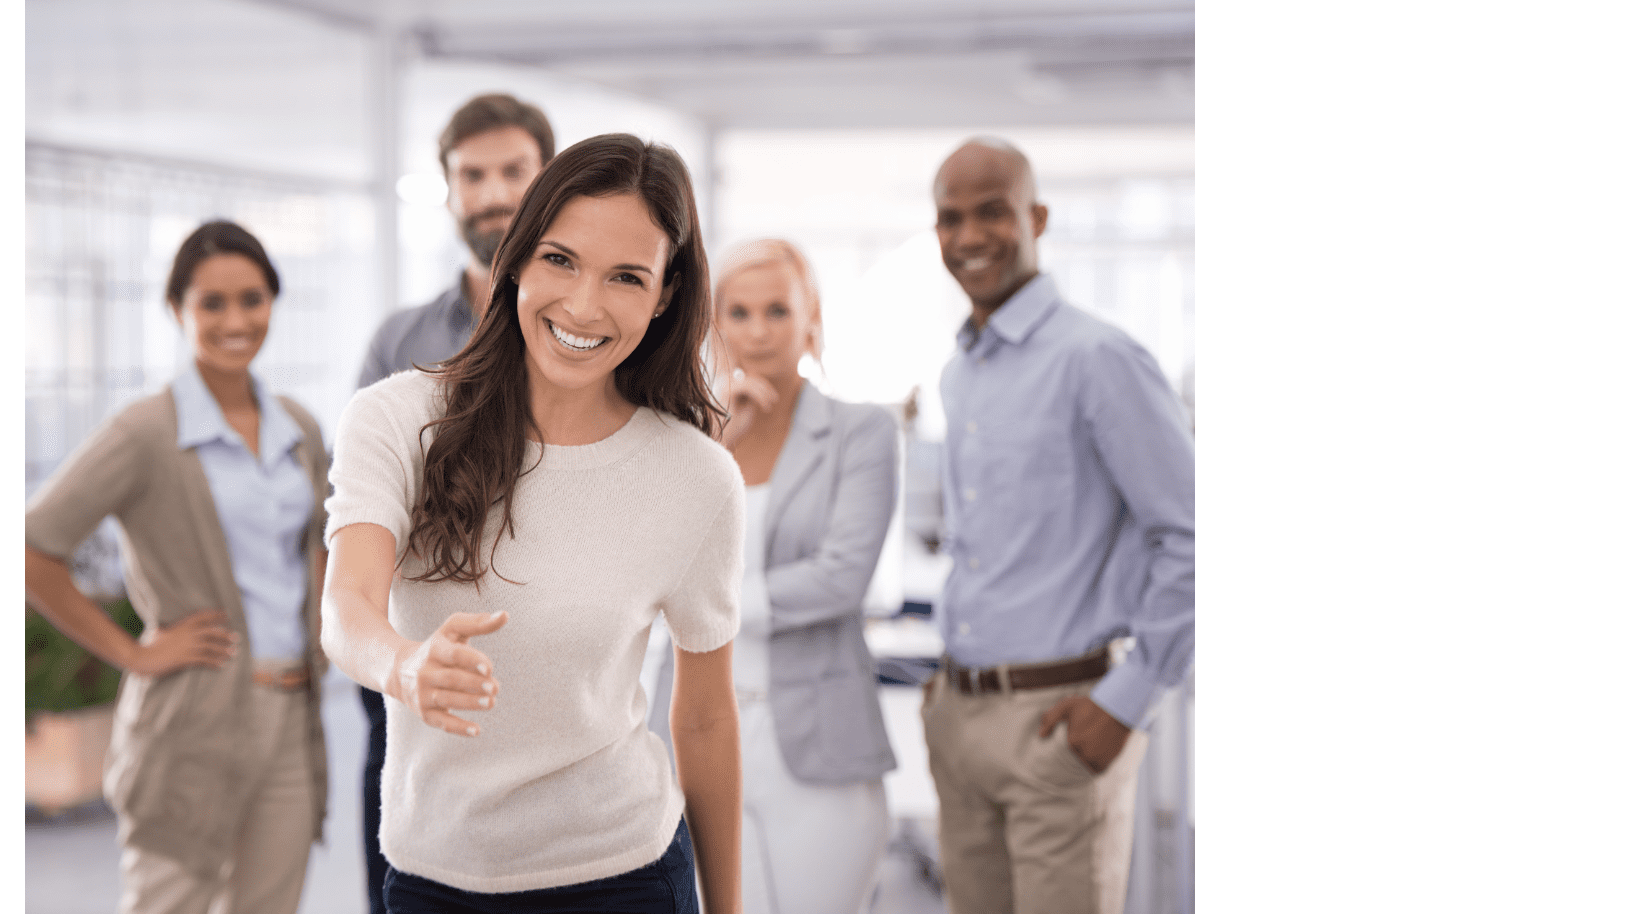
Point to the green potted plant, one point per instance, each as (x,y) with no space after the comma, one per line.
(68,712)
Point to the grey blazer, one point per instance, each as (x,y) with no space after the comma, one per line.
(830,499)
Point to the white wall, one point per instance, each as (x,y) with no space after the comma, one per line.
(223,81)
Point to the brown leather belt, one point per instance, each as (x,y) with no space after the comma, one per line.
(1006,677)
(294,679)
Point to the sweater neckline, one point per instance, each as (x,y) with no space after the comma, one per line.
(639,429)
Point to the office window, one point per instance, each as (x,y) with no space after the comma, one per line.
(102,231)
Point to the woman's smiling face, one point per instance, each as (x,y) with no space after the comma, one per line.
(589,290)
(224,312)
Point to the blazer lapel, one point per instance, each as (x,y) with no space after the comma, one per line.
(799,457)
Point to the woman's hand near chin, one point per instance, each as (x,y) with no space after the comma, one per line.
(747,396)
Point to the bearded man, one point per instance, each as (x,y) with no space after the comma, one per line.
(492,149)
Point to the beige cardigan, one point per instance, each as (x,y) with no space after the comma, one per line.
(176,766)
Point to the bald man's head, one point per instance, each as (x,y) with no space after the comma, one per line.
(988,220)
(990,152)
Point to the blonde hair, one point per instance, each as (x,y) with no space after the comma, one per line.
(761,252)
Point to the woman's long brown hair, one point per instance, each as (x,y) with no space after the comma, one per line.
(479,446)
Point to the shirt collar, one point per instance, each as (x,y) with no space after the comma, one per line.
(200,420)
(1019,315)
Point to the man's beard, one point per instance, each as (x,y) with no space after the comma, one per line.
(484,244)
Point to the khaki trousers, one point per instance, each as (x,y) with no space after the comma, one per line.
(1025,826)
(270,858)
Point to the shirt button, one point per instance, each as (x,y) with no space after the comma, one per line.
(973,427)
(962,629)
(973,563)
(969,494)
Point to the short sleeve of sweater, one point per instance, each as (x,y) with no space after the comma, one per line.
(102,476)
(703,610)
(378,458)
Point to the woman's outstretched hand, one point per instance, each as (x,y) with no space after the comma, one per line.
(747,396)
(445,673)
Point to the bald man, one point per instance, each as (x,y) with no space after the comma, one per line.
(1069,489)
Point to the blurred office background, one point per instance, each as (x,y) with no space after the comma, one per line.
(314,123)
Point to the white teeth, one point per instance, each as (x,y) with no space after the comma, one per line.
(574,342)
(977,263)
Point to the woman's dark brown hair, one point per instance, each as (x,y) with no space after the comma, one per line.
(211,239)
(479,446)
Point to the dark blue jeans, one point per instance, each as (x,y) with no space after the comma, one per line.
(666,886)
(375,754)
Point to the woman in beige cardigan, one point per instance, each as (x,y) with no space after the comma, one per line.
(217,765)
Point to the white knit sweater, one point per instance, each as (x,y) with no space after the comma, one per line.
(565,784)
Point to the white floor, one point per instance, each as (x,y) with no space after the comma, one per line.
(71,863)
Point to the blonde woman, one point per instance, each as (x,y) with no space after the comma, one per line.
(820,481)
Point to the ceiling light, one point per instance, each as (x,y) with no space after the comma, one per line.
(422,188)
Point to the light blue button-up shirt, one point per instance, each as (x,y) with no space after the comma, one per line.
(1069,488)
(263,504)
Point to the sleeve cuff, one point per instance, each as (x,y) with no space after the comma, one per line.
(1126,692)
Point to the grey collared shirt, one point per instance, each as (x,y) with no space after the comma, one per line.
(422,336)
(1069,489)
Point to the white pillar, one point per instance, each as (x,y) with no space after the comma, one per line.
(706,193)
(1184,829)
(386,77)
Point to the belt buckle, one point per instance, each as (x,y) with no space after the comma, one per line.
(294,678)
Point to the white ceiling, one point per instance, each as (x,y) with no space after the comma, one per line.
(285,85)
(830,63)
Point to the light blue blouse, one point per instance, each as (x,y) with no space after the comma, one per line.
(263,505)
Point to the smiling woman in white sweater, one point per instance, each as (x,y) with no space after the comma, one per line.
(503,532)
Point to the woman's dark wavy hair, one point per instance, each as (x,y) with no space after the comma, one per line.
(479,446)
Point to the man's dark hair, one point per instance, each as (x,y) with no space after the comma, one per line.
(486,114)
(211,239)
